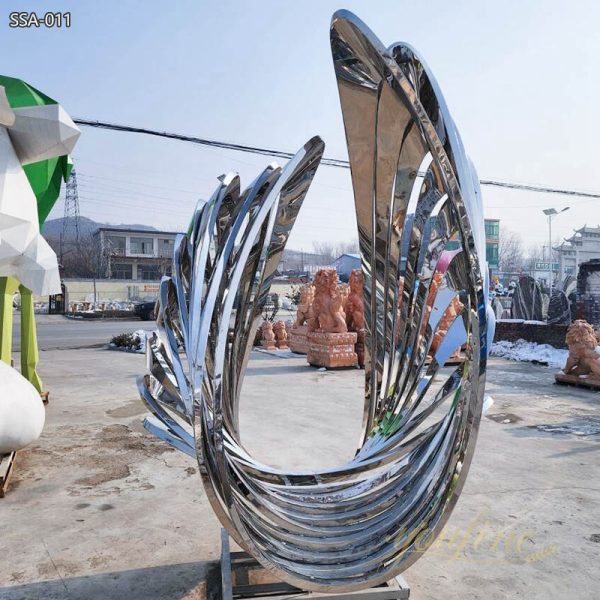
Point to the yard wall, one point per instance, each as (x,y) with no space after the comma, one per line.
(540,333)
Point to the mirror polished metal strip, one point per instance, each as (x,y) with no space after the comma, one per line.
(422,246)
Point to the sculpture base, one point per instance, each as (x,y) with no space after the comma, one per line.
(584,382)
(297,339)
(359,348)
(282,345)
(268,345)
(454,360)
(243,577)
(331,350)
(7,462)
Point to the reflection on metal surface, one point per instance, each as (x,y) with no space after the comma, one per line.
(363,522)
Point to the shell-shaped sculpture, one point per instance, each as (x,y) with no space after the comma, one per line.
(421,241)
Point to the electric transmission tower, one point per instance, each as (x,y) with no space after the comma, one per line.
(70,224)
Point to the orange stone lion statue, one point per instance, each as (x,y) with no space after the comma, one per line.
(450,315)
(355,308)
(328,312)
(267,335)
(280,333)
(304,310)
(583,359)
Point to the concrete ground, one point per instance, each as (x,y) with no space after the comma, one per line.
(98,509)
(56,332)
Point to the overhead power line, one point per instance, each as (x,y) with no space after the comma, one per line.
(537,188)
(331,162)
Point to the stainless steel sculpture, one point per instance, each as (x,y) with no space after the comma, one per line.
(360,524)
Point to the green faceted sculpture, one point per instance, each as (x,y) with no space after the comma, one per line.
(36,137)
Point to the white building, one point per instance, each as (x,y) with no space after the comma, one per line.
(136,255)
(582,246)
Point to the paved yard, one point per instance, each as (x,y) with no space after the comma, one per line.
(56,332)
(100,510)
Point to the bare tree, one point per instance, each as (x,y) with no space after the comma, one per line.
(535,253)
(348,248)
(511,257)
(326,250)
(82,258)
(332,251)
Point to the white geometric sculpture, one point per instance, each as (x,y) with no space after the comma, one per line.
(28,135)
(22,412)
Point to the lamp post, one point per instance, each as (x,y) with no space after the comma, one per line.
(551,212)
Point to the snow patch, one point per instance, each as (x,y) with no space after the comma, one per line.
(488,401)
(523,351)
(278,353)
(136,342)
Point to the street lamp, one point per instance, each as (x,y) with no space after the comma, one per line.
(551,212)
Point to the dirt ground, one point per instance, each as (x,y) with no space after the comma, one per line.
(100,509)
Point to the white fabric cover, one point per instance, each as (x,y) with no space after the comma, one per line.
(22,412)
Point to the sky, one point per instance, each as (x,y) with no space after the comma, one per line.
(521,79)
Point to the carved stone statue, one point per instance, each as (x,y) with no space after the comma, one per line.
(436,281)
(297,335)
(268,337)
(583,362)
(281,338)
(355,312)
(304,310)
(330,344)
(450,315)
(344,292)
(354,307)
(328,312)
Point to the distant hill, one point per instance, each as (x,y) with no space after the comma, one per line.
(54,227)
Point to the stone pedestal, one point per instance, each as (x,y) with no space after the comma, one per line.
(282,345)
(332,350)
(297,340)
(359,348)
(584,381)
(268,344)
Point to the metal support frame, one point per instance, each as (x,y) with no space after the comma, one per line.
(236,582)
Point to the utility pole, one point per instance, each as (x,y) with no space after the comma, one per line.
(550,213)
(550,253)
